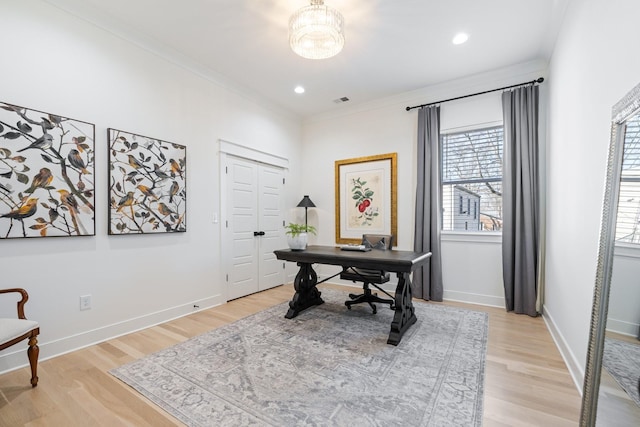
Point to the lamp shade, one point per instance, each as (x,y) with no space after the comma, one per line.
(316,31)
(306,203)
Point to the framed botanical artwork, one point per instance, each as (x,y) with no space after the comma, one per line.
(147,184)
(46,174)
(366,189)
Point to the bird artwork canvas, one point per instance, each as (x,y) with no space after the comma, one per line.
(147,184)
(46,174)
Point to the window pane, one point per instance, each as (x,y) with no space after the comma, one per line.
(628,221)
(472,180)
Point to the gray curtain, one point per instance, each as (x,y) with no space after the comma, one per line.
(520,198)
(427,280)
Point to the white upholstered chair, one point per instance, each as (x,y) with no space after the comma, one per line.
(15,330)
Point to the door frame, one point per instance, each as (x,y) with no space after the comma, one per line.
(225,150)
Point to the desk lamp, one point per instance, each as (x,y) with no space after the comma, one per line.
(306,203)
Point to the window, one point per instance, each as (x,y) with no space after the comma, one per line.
(472,171)
(628,221)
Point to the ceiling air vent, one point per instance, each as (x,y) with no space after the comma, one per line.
(341,100)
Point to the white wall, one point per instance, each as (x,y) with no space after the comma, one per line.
(56,63)
(472,266)
(592,67)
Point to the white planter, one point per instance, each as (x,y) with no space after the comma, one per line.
(297,242)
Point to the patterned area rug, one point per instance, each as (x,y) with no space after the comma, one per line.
(327,367)
(622,360)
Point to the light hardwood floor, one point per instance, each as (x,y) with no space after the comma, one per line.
(526,380)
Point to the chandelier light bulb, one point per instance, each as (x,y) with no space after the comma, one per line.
(316,31)
(460,38)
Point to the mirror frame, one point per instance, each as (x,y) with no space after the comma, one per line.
(621,111)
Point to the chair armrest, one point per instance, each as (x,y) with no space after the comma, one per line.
(21,303)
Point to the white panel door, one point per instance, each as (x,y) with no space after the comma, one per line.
(270,223)
(254,226)
(242,222)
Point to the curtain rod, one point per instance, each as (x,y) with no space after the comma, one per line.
(532,82)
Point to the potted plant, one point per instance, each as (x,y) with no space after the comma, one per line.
(297,235)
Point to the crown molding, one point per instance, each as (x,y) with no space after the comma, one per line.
(108,23)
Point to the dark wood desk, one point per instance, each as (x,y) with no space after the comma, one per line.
(400,262)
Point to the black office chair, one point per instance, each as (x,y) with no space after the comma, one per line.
(370,277)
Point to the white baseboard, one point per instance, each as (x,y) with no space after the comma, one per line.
(468,297)
(488,300)
(15,357)
(622,327)
(575,368)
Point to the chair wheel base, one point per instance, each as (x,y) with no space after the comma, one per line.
(369,298)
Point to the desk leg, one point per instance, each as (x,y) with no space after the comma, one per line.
(307,295)
(405,313)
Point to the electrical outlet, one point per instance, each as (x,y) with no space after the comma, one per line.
(85,302)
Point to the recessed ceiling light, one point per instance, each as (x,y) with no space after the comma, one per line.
(299,89)
(460,38)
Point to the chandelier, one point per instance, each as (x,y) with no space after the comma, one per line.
(316,31)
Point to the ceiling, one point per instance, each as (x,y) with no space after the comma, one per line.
(392,46)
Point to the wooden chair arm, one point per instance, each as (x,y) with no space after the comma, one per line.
(21,303)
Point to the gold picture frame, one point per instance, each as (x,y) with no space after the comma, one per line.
(366,197)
